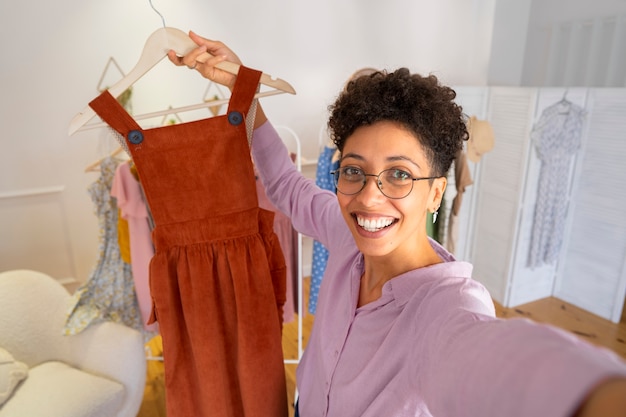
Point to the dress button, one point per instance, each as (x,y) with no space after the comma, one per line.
(235,118)
(135,137)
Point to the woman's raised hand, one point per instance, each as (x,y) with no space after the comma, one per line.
(197,59)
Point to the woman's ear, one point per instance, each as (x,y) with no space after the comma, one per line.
(436,192)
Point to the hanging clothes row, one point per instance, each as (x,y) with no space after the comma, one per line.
(217,277)
(481,140)
(109,293)
(462,180)
(121,278)
(138,224)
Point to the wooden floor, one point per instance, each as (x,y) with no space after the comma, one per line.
(549,310)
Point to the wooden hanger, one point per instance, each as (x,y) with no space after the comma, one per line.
(155,49)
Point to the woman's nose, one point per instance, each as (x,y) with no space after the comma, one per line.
(371,190)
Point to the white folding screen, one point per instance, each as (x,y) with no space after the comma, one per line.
(499,192)
(591,268)
(592,274)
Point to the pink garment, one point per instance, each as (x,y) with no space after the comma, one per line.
(127,190)
(288,239)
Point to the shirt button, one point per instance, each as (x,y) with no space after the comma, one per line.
(235,118)
(135,137)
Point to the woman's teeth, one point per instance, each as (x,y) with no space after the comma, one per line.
(373,225)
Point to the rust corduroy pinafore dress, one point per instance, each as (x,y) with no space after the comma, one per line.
(217,278)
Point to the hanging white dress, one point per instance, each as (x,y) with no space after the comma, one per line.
(556,138)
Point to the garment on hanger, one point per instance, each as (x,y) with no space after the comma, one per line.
(109,292)
(288,238)
(217,278)
(556,138)
(127,192)
(123,237)
(155,49)
(462,180)
(133,171)
(323,178)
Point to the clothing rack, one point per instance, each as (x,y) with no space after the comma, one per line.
(292,141)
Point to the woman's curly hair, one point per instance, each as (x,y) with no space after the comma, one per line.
(419,104)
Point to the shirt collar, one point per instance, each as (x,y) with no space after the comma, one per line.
(403,287)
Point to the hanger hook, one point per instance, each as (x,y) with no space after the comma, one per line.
(157,12)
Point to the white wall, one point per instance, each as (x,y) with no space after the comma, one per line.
(509,41)
(55,53)
(560,49)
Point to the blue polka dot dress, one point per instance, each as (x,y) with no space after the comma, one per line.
(320,254)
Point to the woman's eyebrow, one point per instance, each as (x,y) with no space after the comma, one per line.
(389,159)
(403,158)
(353,156)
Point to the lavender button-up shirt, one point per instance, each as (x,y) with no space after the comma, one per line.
(430,345)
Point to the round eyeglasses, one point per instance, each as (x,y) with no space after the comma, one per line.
(393,183)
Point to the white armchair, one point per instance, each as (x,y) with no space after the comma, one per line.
(99,372)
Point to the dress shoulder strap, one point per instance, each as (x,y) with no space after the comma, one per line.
(112,112)
(246,86)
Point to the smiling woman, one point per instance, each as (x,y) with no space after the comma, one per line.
(403,245)
(401,328)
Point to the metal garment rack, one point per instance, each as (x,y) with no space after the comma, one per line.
(292,141)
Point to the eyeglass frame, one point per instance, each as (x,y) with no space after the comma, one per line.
(337,172)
